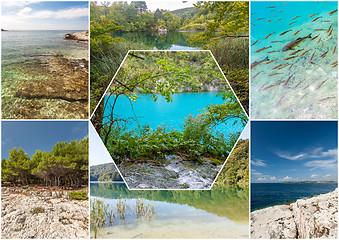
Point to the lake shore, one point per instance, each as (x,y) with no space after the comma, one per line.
(314,217)
(42,214)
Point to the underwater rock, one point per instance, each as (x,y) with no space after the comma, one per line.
(66,80)
(314,217)
(59,78)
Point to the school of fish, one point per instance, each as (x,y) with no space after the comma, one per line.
(283,56)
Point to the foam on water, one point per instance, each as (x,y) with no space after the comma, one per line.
(311,92)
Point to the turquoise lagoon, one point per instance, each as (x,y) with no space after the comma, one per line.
(171,114)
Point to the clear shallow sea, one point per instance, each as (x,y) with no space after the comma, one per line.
(311,92)
(21,52)
(219,213)
(269,194)
(171,114)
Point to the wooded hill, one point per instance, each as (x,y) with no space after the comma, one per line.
(236,169)
(105,173)
(66,164)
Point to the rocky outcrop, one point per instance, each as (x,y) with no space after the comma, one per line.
(42,214)
(79,36)
(315,217)
(172,172)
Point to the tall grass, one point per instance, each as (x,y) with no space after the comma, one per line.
(144,209)
(232,54)
(98,215)
(105,214)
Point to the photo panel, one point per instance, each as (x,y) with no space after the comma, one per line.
(294,179)
(117,212)
(294,59)
(44,179)
(44,59)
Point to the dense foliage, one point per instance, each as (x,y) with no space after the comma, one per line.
(66,164)
(194,142)
(104,172)
(236,169)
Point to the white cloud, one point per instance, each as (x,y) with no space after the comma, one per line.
(273,178)
(327,177)
(289,156)
(309,153)
(323,164)
(258,162)
(262,179)
(287,178)
(254,172)
(24,11)
(11,3)
(60,14)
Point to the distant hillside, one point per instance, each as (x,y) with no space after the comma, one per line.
(104,172)
(236,169)
(185,12)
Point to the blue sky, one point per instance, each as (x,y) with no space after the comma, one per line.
(44,15)
(42,135)
(98,153)
(293,151)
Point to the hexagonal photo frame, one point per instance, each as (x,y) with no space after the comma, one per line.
(169,119)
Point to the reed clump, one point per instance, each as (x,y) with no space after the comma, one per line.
(144,209)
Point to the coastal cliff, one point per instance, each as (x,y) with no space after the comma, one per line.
(314,217)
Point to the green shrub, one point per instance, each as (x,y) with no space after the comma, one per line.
(37,210)
(78,195)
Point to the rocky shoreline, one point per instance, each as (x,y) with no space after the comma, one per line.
(314,217)
(78,36)
(42,214)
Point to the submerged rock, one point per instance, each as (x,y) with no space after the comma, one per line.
(315,217)
(58,78)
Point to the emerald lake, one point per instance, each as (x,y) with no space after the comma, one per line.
(222,211)
(173,40)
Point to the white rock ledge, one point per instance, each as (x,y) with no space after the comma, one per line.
(314,217)
(59,217)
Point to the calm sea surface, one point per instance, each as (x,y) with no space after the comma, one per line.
(24,45)
(269,194)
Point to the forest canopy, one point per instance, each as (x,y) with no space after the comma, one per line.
(66,164)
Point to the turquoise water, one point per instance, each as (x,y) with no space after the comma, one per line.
(173,40)
(171,114)
(312,80)
(269,194)
(222,211)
